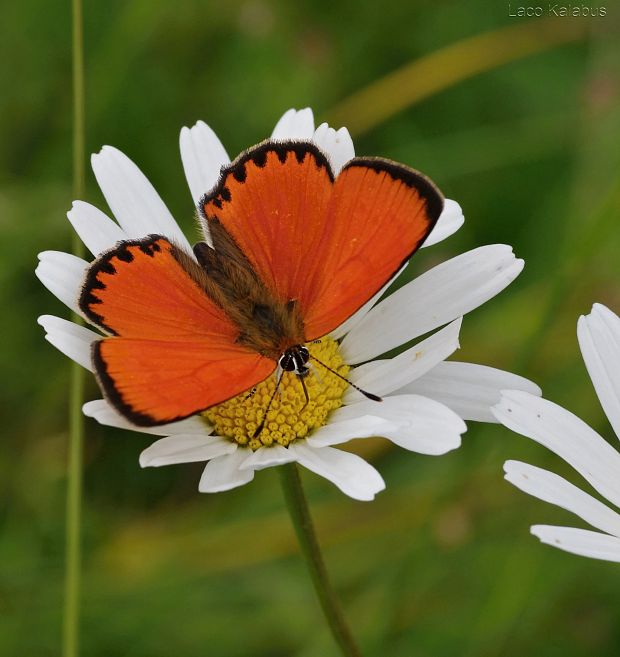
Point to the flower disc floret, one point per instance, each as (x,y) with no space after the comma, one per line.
(289,417)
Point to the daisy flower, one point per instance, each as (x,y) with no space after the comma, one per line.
(579,445)
(425,400)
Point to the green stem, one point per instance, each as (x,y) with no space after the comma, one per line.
(304,528)
(70,645)
(74,512)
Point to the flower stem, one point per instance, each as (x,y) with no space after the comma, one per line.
(71,618)
(304,528)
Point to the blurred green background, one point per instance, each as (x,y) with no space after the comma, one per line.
(441,564)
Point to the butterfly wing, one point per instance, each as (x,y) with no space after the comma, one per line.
(172,352)
(328,244)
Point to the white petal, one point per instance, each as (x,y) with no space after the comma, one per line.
(295,124)
(349,472)
(395,408)
(363,426)
(566,435)
(469,390)
(62,274)
(337,144)
(437,297)
(98,232)
(418,424)
(358,315)
(580,541)
(384,376)
(599,339)
(203,158)
(69,338)
(224,473)
(266,457)
(551,488)
(450,220)
(136,205)
(433,429)
(185,449)
(104,413)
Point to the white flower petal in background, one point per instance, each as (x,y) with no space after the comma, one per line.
(349,472)
(565,434)
(469,390)
(100,410)
(599,339)
(98,232)
(450,220)
(185,449)
(62,274)
(552,488)
(382,377)
(224,473)
(203,157)
(73,340)
(134,202)
(295,124)
(580,541)
(337,144)
(435,298)
(579,445)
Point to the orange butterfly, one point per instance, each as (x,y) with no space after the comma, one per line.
(295,252)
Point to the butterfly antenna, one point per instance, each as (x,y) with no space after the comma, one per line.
(366,394)
(250,394)
(316,373)
(261,426)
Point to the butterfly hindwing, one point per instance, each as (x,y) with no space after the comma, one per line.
(172,352)
(154,382)
(327,244)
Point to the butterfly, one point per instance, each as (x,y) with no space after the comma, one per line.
(293,252)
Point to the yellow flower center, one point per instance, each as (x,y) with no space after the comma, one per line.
(289,417)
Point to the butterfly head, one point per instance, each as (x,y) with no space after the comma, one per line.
(295,359)
(278,410)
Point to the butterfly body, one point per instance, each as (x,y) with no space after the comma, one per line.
(266,324)
(294,251)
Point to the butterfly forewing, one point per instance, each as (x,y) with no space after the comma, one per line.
(273,202)
(330,246)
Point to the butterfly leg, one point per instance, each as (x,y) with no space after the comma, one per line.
(261,426)
(301,378)
(279,373)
